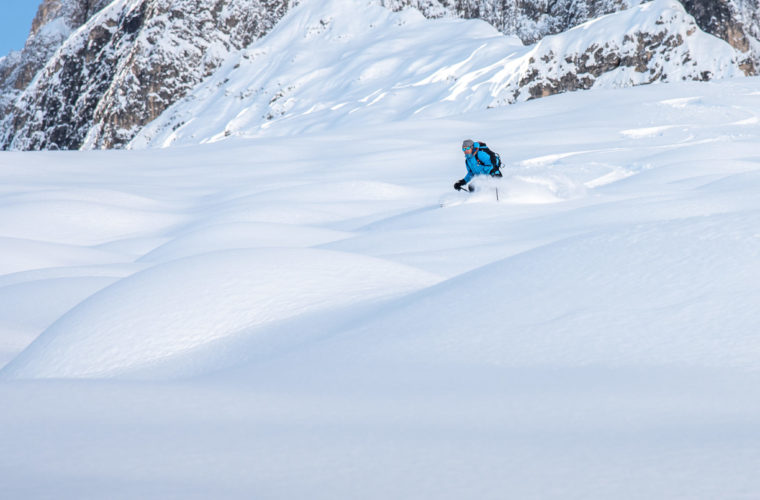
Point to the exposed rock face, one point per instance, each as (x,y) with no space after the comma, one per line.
(735,21)
(126,65)
(54,22)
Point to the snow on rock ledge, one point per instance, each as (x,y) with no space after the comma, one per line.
(655,41)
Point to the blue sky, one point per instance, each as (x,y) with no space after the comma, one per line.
(15,22)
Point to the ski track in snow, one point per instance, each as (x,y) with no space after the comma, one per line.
(296,316)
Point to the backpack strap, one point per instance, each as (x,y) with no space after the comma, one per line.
(481,147)
(492,155)
(485,149)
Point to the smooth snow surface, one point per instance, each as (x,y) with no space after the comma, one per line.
(298,316)
(186,304)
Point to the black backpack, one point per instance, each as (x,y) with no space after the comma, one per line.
(495,158)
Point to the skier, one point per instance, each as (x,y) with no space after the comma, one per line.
(479,160)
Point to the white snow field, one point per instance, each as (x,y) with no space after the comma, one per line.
(288,313)
(298,317)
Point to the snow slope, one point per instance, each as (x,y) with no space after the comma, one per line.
(298,317)
(349,63)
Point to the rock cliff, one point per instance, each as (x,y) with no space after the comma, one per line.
(125,65)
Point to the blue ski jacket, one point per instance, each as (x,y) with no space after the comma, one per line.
(474,168)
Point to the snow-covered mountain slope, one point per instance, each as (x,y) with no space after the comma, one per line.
(127,63)
(338,334)
(343,62)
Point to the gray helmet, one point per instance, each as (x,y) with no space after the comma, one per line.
(467,143)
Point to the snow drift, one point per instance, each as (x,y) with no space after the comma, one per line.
(173,309)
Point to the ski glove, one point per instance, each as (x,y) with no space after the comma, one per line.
(458,184)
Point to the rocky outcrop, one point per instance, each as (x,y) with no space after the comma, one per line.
(735,21)
(126,65)
(53,24)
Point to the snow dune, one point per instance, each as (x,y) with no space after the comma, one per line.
(169,310)
(679,294)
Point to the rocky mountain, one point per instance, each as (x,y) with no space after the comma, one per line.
(735,21)
(125,65)
(93,74)
(53,24)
